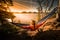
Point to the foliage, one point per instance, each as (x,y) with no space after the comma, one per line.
(5,14)
(8,2)
(4,6)
(8,28)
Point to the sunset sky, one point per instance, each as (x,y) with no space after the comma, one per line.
(28,5)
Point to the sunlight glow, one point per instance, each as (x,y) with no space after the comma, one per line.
(9,20)
(25,18)
(14,10)
(18,10)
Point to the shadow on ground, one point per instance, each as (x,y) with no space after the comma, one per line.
(47,35)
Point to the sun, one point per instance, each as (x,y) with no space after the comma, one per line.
(14,10)
(20,10)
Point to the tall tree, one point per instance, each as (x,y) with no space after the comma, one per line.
(58,11)
(51,4)
(6,27)
(40,9)
(46,6)
(3,10)
(40,5)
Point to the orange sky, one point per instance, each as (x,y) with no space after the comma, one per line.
(23,18)
(20,7)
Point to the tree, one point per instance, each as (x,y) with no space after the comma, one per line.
(51,4)
(46,6)
(39,9)
(6,27)
(4,6)
(59,11)
(39,2)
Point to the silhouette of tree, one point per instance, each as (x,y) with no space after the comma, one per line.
(51,4)
(4,14)
(4,6)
